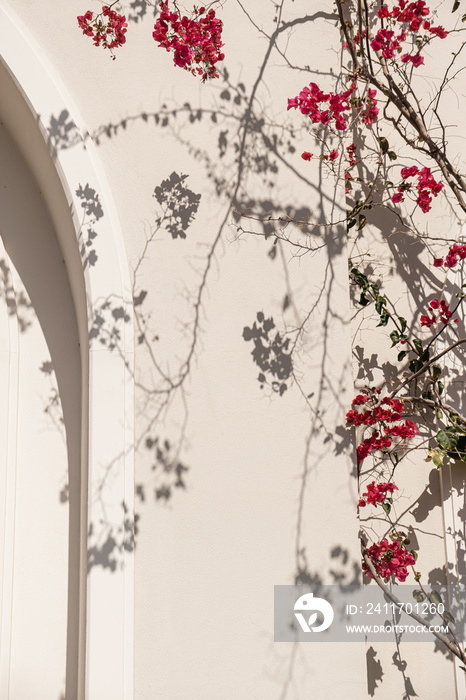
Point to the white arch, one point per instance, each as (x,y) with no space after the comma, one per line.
(31,95)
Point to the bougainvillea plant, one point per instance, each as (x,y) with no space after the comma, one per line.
(385,46)
(107,28)
(195,41)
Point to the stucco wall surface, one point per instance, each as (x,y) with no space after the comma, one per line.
(244,477)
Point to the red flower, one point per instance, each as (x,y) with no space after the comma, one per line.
(426,186)
(311,98)
(383,412)
(369,114)
(108,32)
(444,314)
(417,60)
(427,321)
(439,31)
(389,560)
(195,41)
(377,494)
(351,151)
(409,172)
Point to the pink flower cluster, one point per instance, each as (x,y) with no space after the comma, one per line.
(405,431)
(351,154)
(108,28)
(333,155)
(372,415)
(376,493)
(457,252)
(412,14)
(356,40)
(379,413)
(389,559)
(351,151)
(372,444)
(444,314)
(196,42)
(387,43)
(310,98)
(416,59)
(369,114)
(426,187)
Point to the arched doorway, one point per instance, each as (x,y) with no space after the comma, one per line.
(41,419)
(66,558)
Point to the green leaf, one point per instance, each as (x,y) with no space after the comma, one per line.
(435,597)
(428,395)
(415,366)
(447,439)
(418,345)
(394,337)
(363,300)
(425,356)
(402,321)
(402,355)
(392,155)
(448,617)
(453,441)
(383,144)
(419,596)
(351,223)
(379,303)
(436,456)
(387,508)
(362,222)
(440,387)
(384,318)
(360,279)
(456,4)
(436,371)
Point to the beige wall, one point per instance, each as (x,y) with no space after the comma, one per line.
(237,488)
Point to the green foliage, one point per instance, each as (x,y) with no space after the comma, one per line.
(452,440)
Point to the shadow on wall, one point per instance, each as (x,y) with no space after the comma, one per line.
(248,153)
(249,146)
(17,303)
(246,162)
(32,247)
